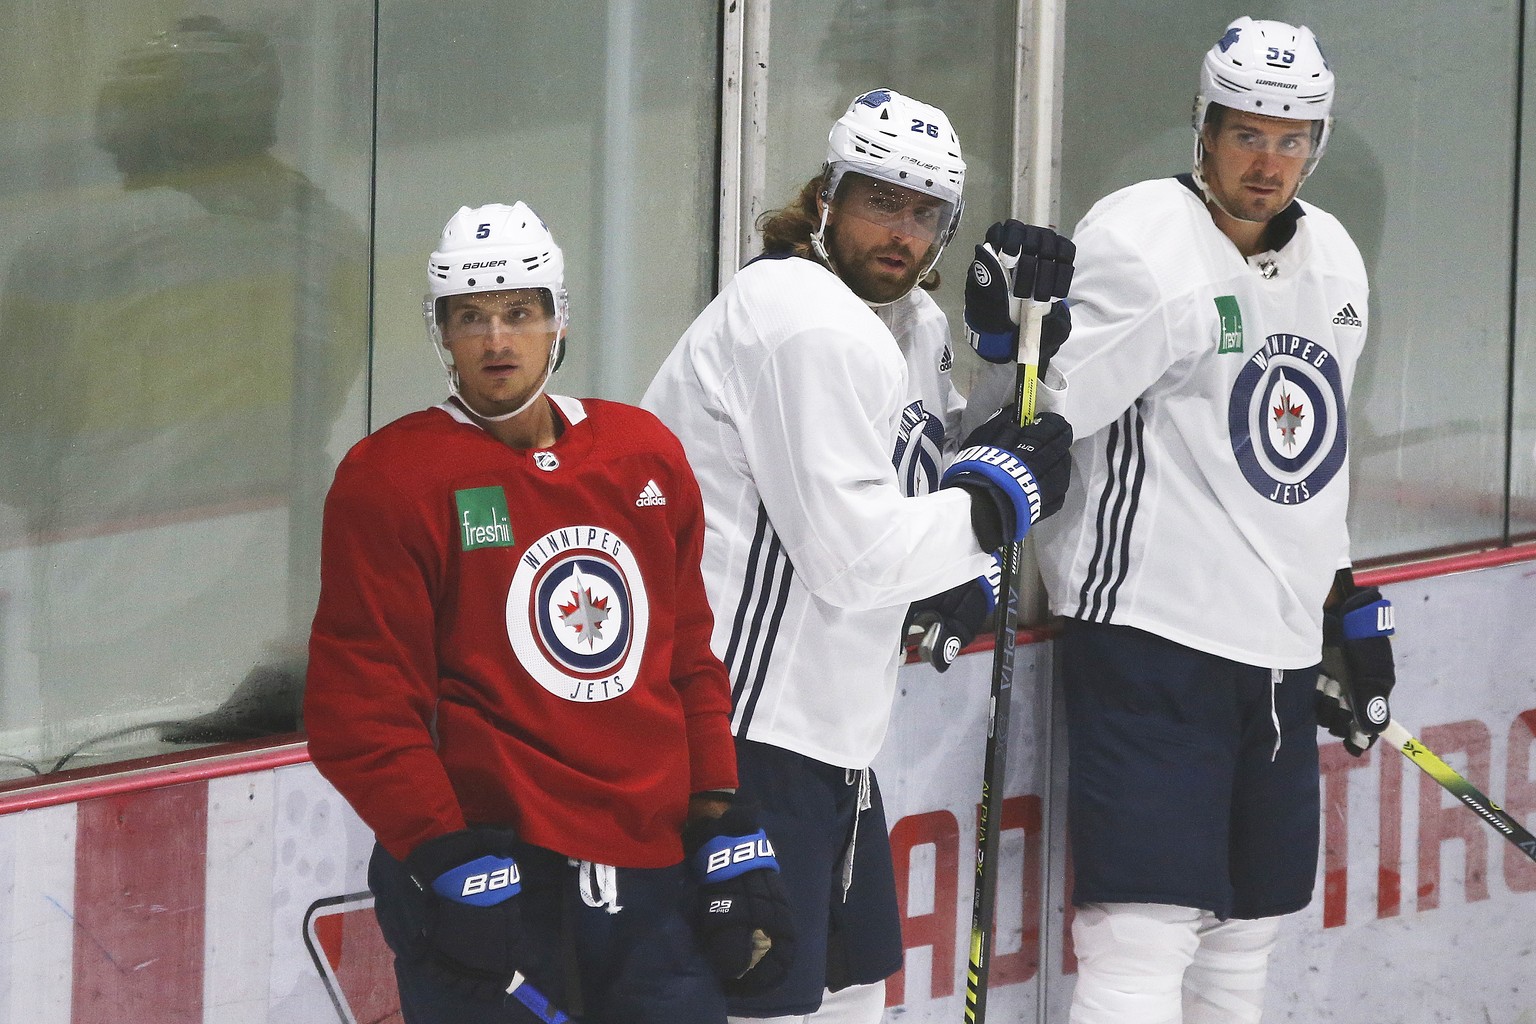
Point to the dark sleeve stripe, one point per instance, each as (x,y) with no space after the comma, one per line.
(1121,497)
(781,587)
(1140,474)
(1110,445)
(755,626)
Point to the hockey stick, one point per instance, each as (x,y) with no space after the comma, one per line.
(520,993)
(984,901)
(1459,787)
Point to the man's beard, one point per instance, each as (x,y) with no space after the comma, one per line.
(1254,209)
(863,276)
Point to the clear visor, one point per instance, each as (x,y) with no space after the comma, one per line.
(896,208)
(1281,138)
(521,312)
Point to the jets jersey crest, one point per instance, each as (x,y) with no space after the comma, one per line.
(577,613)
(1286,417)
(919,450)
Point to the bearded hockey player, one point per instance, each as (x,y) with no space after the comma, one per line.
(814,402)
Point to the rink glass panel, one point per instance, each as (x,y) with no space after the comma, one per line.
(1522,453)
(602,117)
(186,355)
(958,57)
(183,330)
(1420,170)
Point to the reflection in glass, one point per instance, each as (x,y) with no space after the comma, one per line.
(1428,414)
(177,350)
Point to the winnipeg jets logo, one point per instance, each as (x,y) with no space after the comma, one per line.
(577,613)
(1286,419)
(584,614)
(919,450)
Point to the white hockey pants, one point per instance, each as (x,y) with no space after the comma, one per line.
(856,1004)
(1149,963)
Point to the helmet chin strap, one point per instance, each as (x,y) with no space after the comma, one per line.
(1210,196)
(453,381)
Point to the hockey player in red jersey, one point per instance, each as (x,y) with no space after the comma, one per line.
(511,682)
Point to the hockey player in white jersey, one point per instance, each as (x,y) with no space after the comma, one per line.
(1217,325)
(813,399)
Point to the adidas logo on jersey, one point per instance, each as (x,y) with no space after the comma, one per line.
(1347,316)
(650,495)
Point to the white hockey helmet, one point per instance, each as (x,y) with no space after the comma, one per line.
(495,248)
(1269,68)
(891,137)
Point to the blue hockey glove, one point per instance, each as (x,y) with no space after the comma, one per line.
(1358,673)
(950,620)
(741,915)
(1017,262)
(1016,475)
(472,930)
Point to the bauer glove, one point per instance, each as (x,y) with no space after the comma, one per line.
(1016,475)
(1357,674)
(950,620)
(1017,263)
(741,916)
(472,928)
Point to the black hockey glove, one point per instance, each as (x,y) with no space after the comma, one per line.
(950,620)
(1357,674)
(741,916)
(1016,475)
(473,927)
(1017,262)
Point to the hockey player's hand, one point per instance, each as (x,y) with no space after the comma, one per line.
(473,927)
(741,916)
(1017,263)
(1358,673)
(950,620)
(1016,475)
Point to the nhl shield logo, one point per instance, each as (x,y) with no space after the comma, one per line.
(577,613)
(1286,419)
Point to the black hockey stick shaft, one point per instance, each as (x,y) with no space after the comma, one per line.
(1428,762)
(989,817)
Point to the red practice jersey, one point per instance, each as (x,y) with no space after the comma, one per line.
(519,637)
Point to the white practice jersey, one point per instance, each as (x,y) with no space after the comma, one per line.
(1208,396)
(816,448)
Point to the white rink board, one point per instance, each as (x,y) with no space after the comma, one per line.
(1446,936)
(1456,944)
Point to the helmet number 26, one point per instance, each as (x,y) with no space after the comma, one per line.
(924,128)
